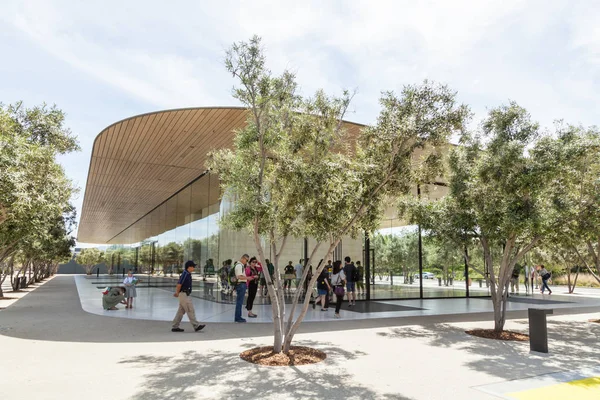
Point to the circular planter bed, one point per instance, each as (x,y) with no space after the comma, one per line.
(504,335)
(299,355)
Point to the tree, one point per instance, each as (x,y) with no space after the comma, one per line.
(34,191)
(574,154)
(89,258)
(497,197)
(295,171)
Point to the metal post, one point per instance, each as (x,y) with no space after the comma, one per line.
(420,252)
(538,329)
(467,271)
(137,254)
(305,252)
(153,254)
(367,262)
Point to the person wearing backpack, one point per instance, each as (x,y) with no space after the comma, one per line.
(351,276)
(238,279)
(545,275)
(514,279)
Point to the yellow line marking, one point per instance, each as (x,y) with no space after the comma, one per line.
(583,389)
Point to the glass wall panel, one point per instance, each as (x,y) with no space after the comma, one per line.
(443,268)
(395,250)
(478,278)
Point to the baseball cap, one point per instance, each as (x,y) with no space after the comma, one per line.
(190,263)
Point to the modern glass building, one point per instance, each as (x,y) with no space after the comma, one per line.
(148,188)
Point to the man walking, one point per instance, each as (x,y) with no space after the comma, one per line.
(240,286)
(183,291)
(351,273)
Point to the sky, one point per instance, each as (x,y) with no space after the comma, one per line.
(101,62)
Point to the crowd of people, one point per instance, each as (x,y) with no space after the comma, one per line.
(247,275)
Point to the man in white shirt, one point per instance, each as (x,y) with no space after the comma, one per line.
(240,286)
(299,268)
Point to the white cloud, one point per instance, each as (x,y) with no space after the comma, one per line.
(543,54)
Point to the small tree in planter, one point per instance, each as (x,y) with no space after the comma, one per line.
(295,172)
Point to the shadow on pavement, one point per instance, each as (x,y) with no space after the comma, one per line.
(224,375)
(572,346)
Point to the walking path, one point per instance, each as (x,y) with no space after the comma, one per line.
(51,348)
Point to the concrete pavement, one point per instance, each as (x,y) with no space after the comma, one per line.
(52,349)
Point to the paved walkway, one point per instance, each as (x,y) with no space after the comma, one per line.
(51,348)
(158,303)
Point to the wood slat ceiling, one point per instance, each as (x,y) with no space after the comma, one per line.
(140,162)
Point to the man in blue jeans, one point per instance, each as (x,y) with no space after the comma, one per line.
(240,286)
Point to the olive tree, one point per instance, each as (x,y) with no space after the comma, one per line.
(34,190)
(90,258)
(574,153)
(294,171)
(498,198)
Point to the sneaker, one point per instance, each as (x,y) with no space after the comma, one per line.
(337,316)
(252,315)
(199,328)
(176,330)
(240,320)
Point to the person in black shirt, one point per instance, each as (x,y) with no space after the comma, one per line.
(183,291)
(323,288)
(350,271)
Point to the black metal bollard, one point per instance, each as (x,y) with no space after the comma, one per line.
(538,329)
(98,272)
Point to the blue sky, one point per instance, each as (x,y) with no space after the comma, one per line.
(104,61)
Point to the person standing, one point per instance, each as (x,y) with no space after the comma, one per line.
(360,286)
(263,281)
(338,280)
(514,279)
(252,274)
(130,292)
(323,288)
(545,275)
(299,269)
(239,283)
(183,292)
(288,272)
(350,273)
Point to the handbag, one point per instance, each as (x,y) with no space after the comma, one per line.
(546,276)
(338,289)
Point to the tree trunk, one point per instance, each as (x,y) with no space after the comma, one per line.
(294,328)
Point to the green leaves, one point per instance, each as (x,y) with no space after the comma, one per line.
(36,218)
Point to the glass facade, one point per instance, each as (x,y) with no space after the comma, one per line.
(186,227)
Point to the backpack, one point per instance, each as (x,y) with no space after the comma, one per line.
(355,274)
(516,272)
(233,279)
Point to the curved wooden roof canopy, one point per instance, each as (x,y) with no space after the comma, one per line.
(140,162)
